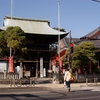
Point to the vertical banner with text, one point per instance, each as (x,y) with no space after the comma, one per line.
(10,67)
(41,67)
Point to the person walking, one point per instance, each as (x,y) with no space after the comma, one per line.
(67,78)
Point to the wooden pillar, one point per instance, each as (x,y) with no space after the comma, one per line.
(50,68)
(37,69)
(50,64)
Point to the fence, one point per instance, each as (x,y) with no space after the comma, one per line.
(5,78)
(83,77)
(13,80)
(8,76)
(22,83)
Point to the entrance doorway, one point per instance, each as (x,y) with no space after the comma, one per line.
(30,68)
(33,70)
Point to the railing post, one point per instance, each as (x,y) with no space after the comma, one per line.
(87,81)
(14,82)
(95,80)
(10,82)
(30,83)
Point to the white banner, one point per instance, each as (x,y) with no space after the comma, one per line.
(41,67)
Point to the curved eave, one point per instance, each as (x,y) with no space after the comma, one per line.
(3,28)
(31,26)
(53,33)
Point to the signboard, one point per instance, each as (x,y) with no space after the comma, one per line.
(41,67)
(10,65)
(27,73)
(3,66)
(49,71)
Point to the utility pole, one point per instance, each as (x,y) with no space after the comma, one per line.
(10,68)
(11,25)
(71,45)
(58,29)
(69,49)
(56,75)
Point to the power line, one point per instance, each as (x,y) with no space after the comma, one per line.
(96,1)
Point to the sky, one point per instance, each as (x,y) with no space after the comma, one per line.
(78,16)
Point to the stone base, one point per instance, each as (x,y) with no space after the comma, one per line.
(55,79)
(55,82)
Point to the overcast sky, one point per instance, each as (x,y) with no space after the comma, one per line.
(79,16)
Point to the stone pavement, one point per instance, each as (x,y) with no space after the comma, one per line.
(74,86)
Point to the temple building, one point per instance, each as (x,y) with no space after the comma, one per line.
(94,37)
(42,43)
